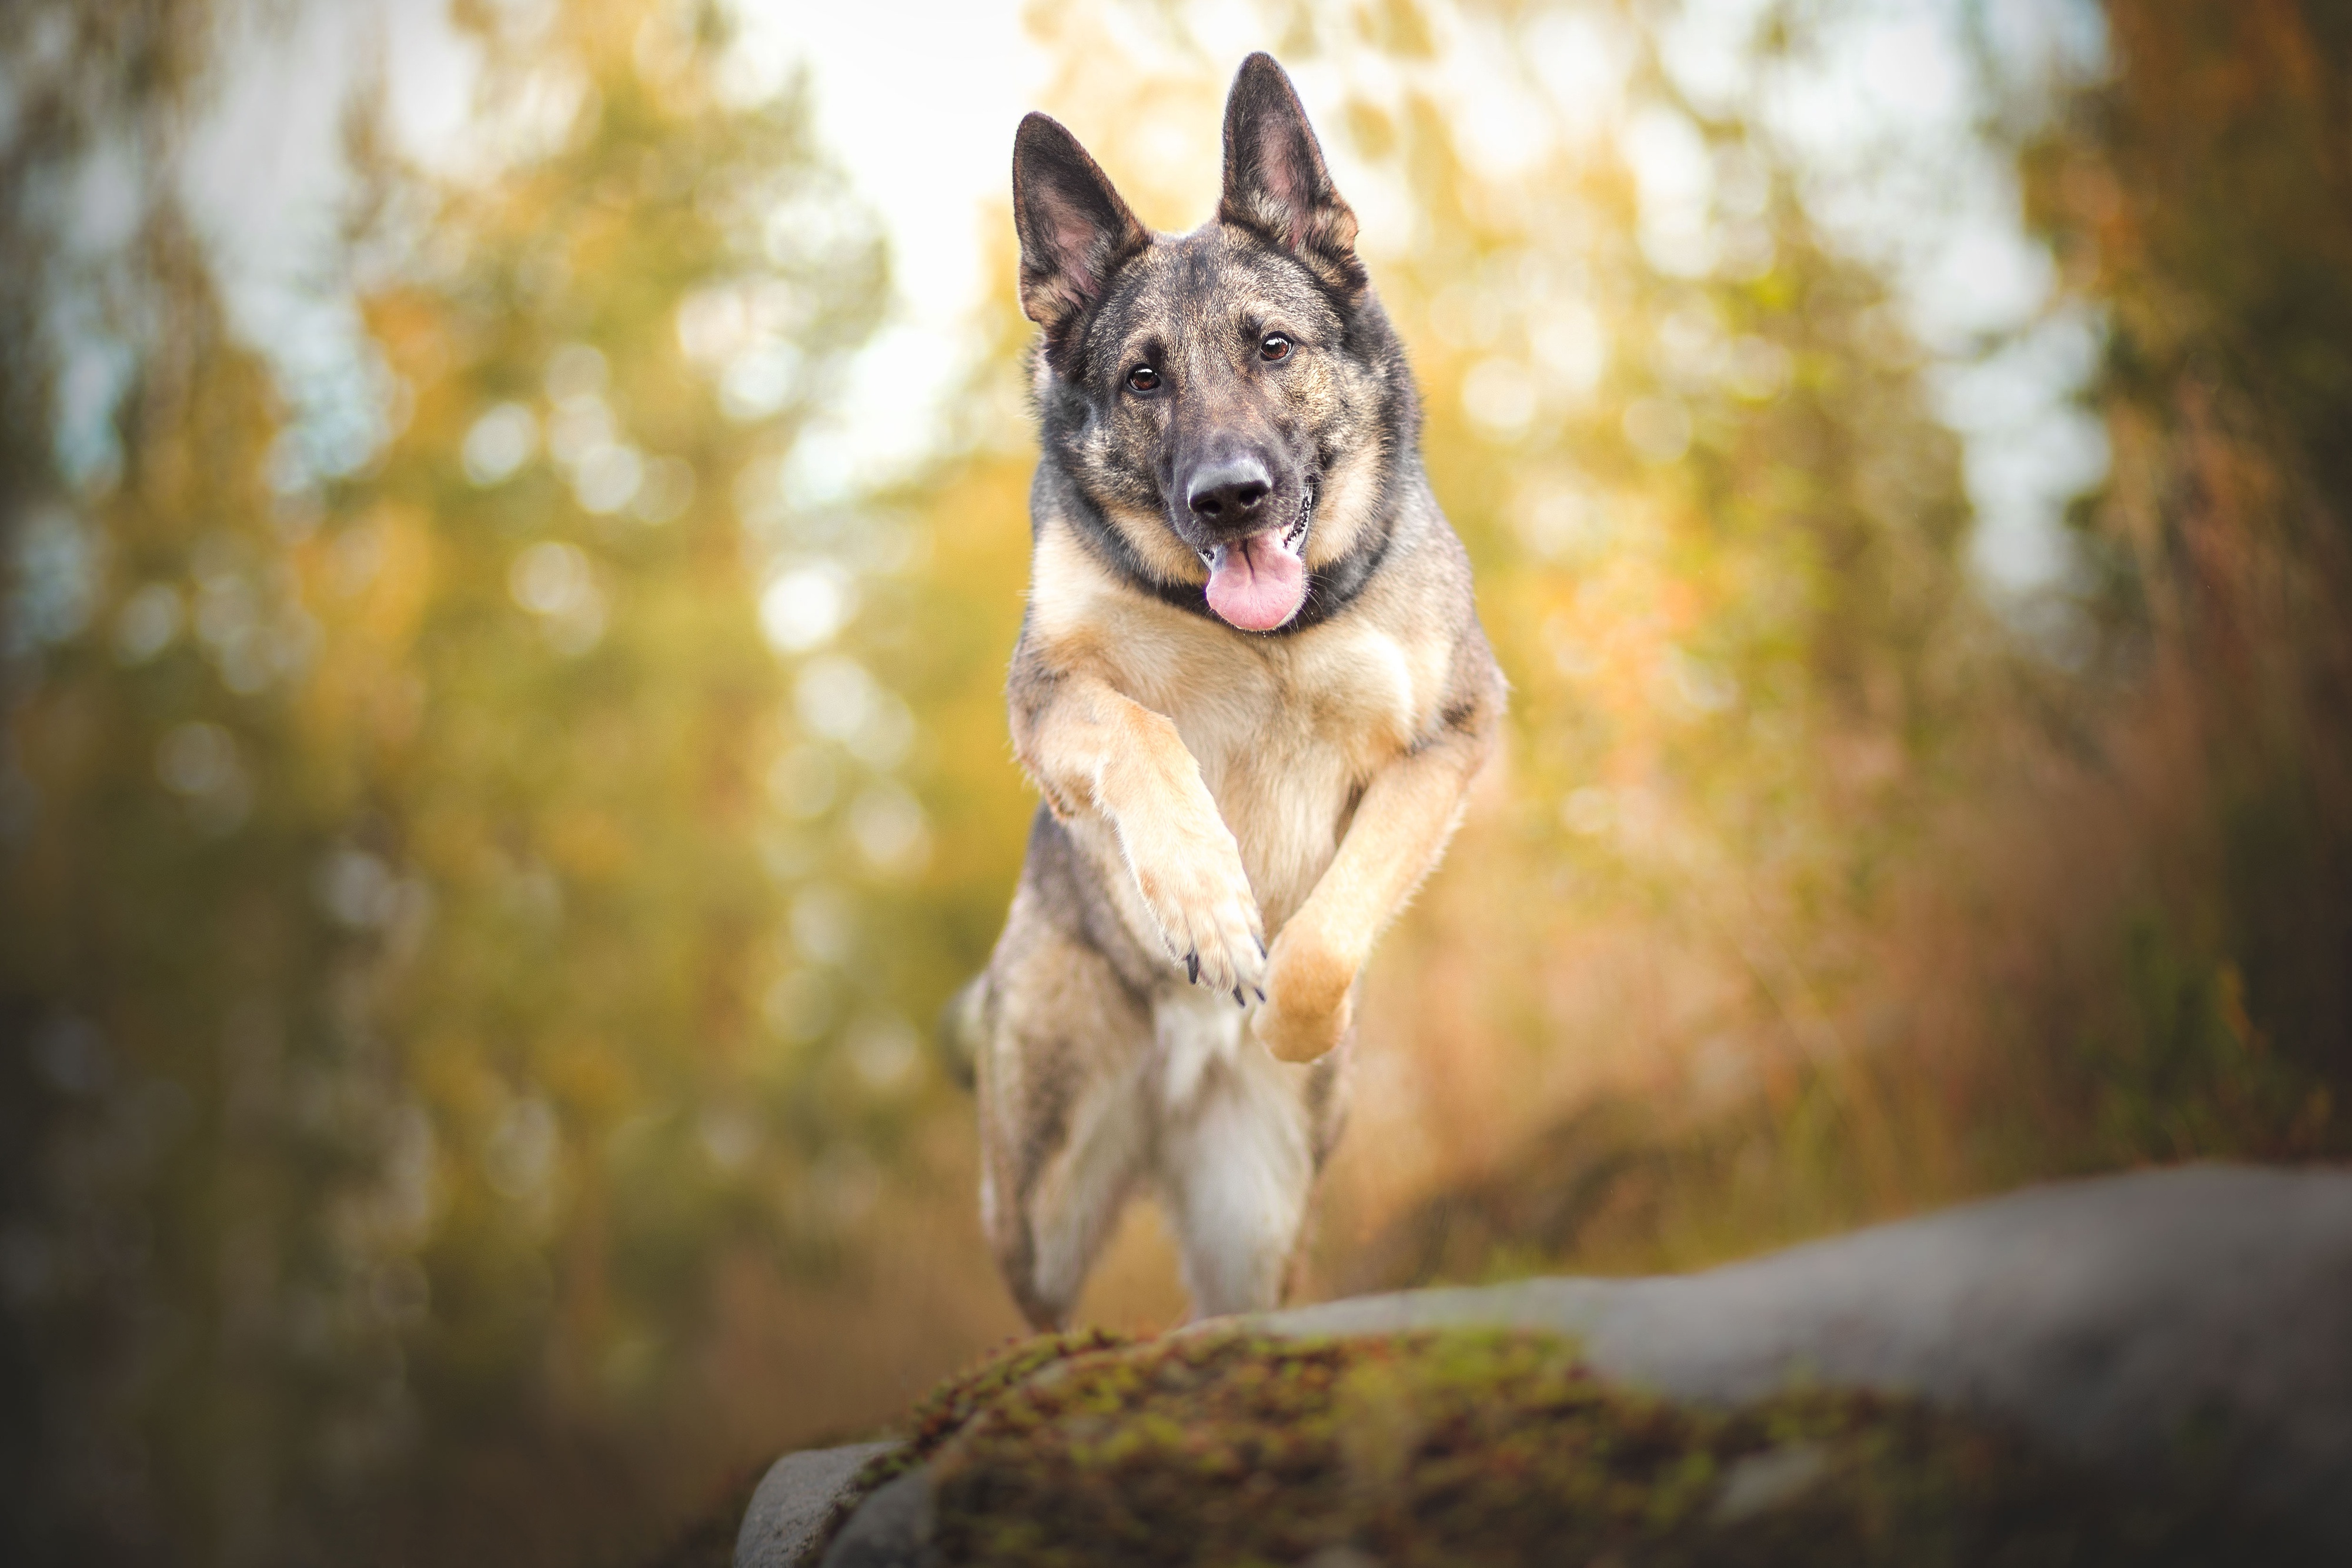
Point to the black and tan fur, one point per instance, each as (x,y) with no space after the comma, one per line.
(1231,815)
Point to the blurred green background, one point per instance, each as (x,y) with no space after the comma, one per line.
(515,517)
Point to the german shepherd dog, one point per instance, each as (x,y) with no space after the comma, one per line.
(1253,690)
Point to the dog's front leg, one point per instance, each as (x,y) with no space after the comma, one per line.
(1409,811)
(1091,747)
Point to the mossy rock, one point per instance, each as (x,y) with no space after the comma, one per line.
(1469,1448)
(2146,1368)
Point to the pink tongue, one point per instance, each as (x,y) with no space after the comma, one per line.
(1255,584)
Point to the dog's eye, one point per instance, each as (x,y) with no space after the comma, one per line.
(1273,346)
(1143,378)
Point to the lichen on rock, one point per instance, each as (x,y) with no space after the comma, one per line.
(1469,1448)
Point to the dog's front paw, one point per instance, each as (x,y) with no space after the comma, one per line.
(1310,996)
(1193,882)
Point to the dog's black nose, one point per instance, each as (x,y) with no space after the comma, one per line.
(1224,493)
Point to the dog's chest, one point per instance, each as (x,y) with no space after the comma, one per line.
(1287,734)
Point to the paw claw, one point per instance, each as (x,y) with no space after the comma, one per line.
(1198,893)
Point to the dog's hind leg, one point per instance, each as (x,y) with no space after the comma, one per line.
(1238,1150)
(1065,1129)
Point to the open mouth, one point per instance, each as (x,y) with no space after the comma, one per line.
(1258,583)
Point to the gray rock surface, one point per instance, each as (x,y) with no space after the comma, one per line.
(2201,1315)
(793,1501)
(891,1529)
(2125,1321)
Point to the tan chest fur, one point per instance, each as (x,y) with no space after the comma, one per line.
(1286,730)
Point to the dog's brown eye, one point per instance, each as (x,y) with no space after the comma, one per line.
(1273,346)
(1143,378)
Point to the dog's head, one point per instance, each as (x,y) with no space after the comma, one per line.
(1230,403)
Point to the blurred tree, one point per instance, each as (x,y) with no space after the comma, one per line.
(96,93)
(397,954)
(2203,195)
(480,844)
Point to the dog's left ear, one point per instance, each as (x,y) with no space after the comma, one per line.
(1075,229)
(1275,181)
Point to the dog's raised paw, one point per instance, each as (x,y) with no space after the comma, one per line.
(1312,998)
(1290,1036)
(1200,897)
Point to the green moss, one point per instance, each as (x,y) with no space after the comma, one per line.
(1472,1448)
(948,1409)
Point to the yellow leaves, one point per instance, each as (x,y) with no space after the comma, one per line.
(369,578)
(592,1080)
(452,842)
(415,336)
(368,584)
(1371,128)
(395,599)
(1396,27)
(588,845)
(450,1070)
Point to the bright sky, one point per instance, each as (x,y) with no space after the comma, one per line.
(918,99)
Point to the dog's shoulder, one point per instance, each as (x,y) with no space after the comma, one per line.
(1413,629)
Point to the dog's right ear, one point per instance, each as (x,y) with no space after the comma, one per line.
(1276,182)
(1074,230)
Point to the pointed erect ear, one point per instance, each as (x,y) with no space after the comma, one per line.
(1276,181)
(1074,230)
